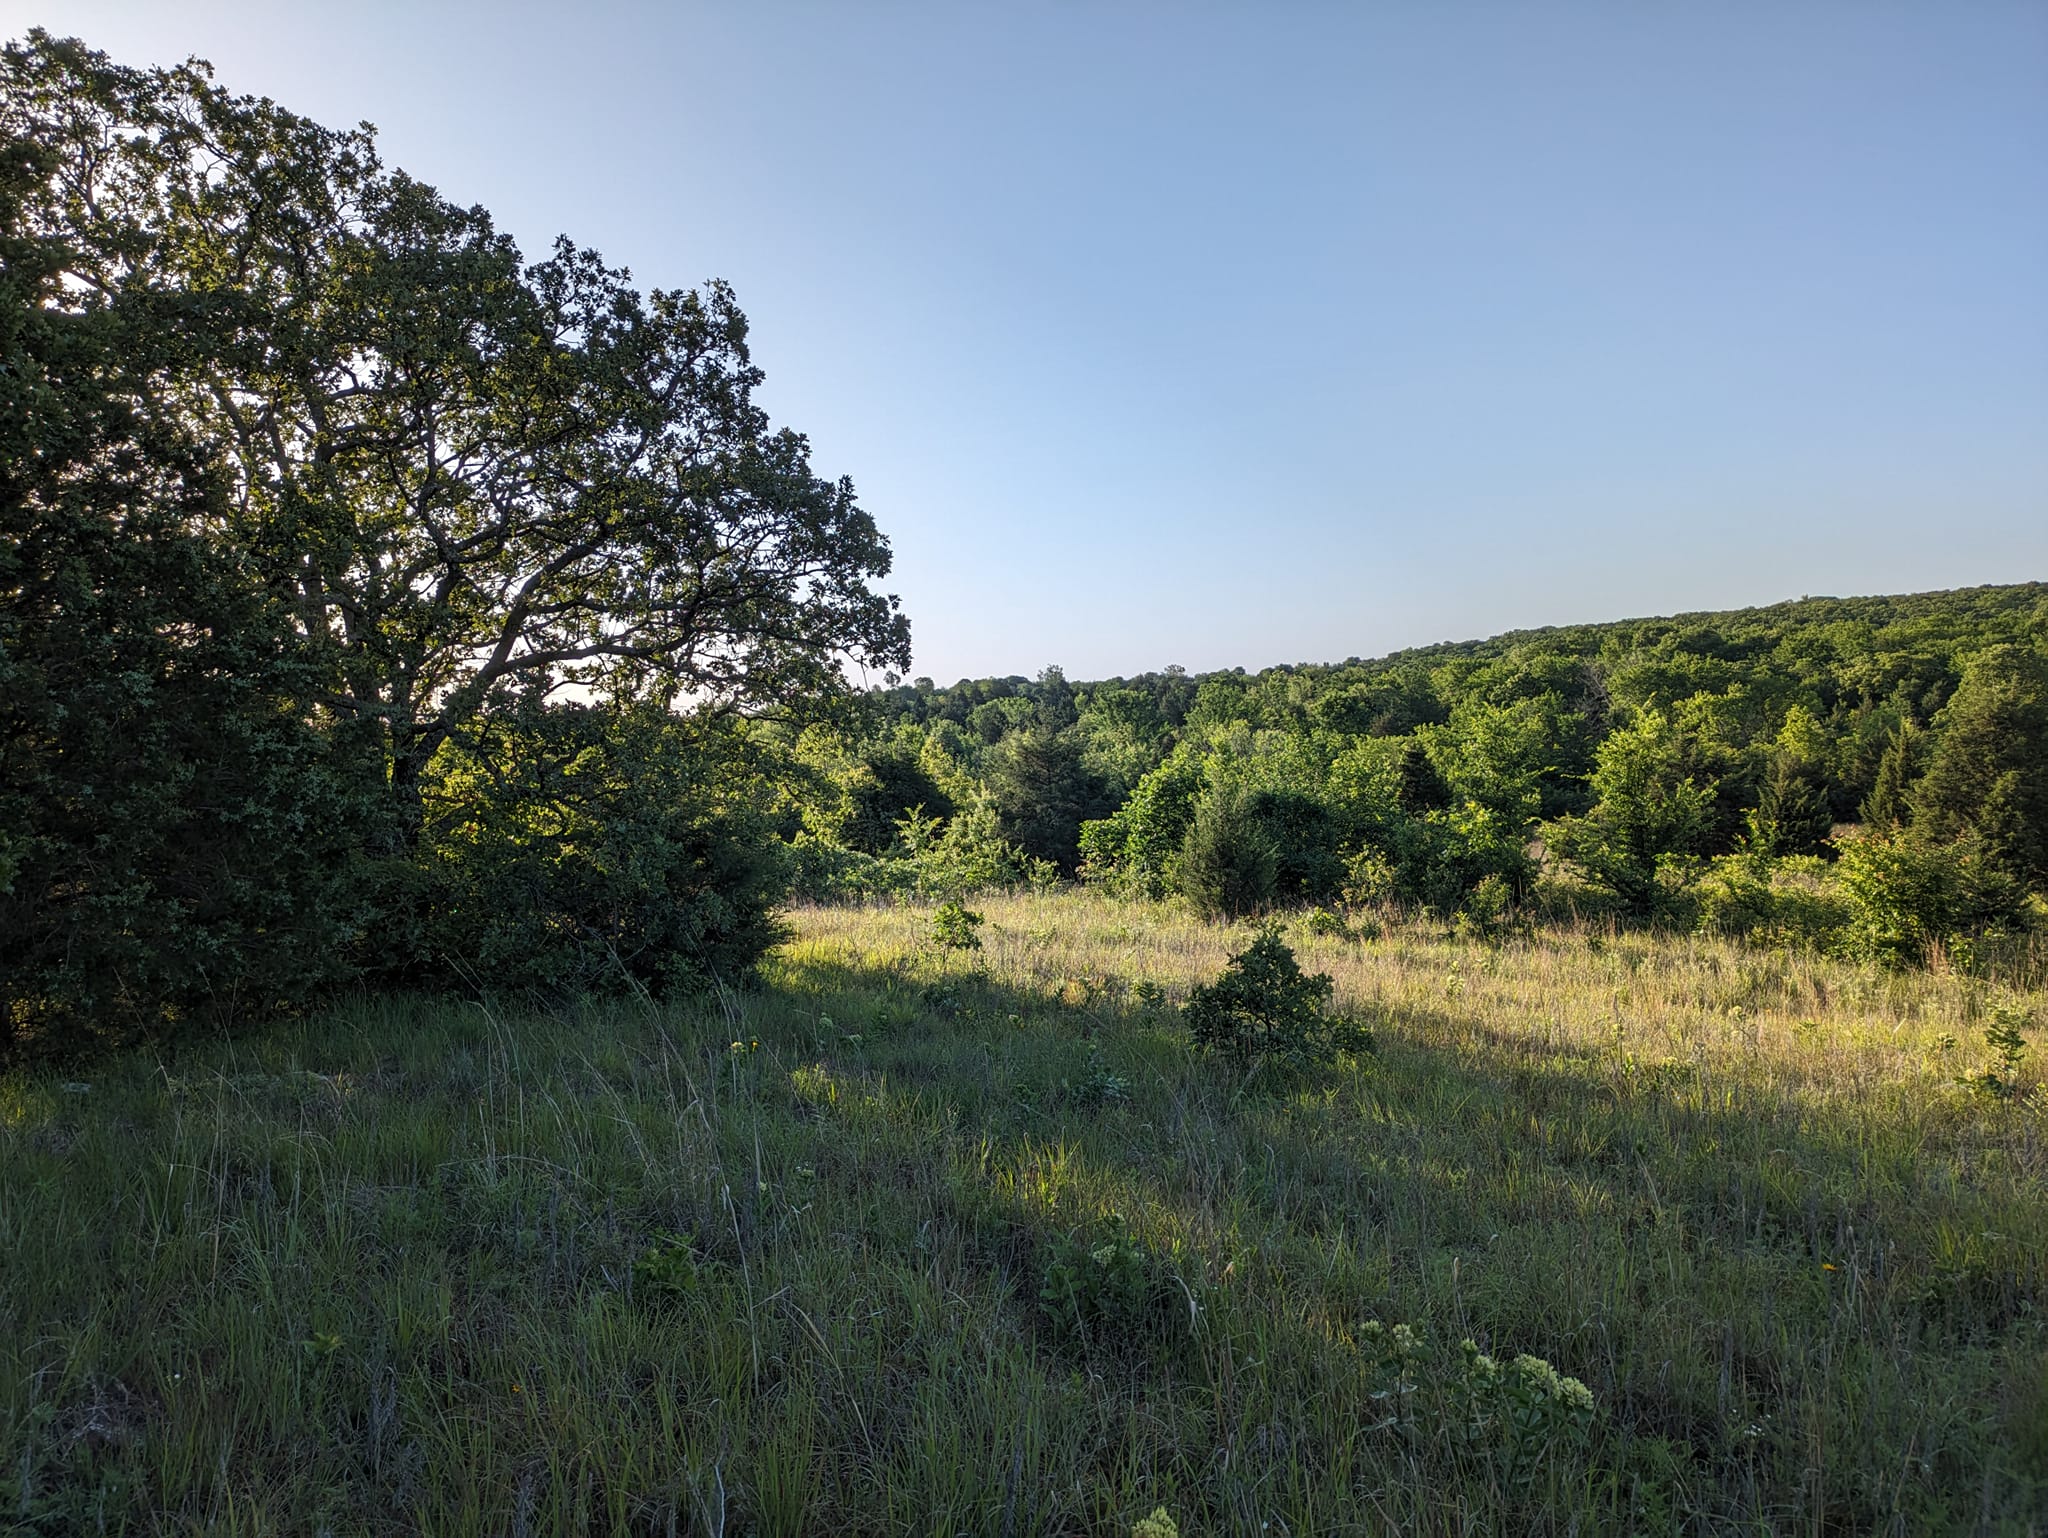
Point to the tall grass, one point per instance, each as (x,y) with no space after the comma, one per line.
(770,1263)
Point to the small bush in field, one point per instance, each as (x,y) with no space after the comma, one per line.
(1097,1085)
(954,926)
(1321,921)
(1369,879)
(2006,1038)
(1264,1008)
(1106,1291)
(1158,1525)
(668,1269)
(1487,909)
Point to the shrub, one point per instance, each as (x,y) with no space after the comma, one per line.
(1322,922)
(970,854)
(1136,849)
(571,849)
(1369,879)
(1488,908)
(667,1272)
(1304,834)
(1265,1009)
(1794,902)
(953,928)
(1908,895)
(2006,1038)
(821,871)
(1655,805)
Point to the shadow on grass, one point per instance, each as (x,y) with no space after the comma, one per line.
(773,1263)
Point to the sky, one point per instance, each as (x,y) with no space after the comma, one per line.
(1287,332)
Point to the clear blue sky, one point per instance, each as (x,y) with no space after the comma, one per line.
(1234,335)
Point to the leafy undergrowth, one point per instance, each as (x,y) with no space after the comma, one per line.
(918,1240)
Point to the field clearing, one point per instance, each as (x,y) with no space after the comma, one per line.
(771,1263)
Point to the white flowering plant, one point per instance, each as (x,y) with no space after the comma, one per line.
(1518,1414)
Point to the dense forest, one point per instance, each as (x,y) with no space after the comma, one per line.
(1865,773)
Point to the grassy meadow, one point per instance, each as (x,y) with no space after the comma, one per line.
(772,1263)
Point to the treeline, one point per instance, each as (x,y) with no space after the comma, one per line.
(1861,773)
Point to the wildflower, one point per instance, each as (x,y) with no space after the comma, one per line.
(1829,1265)
(1158,1525)
(1537,1374)
(1575,1395)
(1477,1363)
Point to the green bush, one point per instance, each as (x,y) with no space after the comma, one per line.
(668,1271)
(1323,923)
(1304,835)
(1138,848)
(569,849)
(954,926)
(1265,1009)
(1655,806)
(824,872)
(1369,879)
(1488,909)
(970,854)
(1908,896)
(1795,902)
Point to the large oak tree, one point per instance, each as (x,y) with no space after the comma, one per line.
(468,475)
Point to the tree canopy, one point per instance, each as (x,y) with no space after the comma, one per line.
(471,475)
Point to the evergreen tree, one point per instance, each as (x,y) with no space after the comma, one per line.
(1043,791)
(1422,788)
(1229,864)
(1791,815)
(1989,774)
(1890,804)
